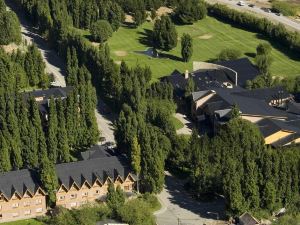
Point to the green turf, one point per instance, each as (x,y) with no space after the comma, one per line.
(222,36)
(24,222)
(177,123)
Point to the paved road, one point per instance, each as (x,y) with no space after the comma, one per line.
(188,125)
(179,208)
(105,122)
(56,66)
(281,19)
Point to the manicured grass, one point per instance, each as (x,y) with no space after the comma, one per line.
(210,37)
(177,123)
(24,222)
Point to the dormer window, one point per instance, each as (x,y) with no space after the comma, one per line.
(85,194)
(15,205)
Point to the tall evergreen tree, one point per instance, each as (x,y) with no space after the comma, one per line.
(5,164)
(62,138)
(136,158)
(52,133)
(186,47)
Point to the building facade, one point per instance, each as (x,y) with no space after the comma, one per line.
(21,196)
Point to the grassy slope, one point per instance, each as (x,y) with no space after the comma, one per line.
(223,36)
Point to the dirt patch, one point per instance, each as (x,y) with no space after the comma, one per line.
(10,48)
(121,53)
(164,11)
(205,36)
(129,19)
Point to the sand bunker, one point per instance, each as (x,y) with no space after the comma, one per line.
(205,36)
(120,53)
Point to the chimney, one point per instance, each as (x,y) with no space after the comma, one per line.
(186,74)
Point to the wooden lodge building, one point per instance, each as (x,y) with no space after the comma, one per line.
(22,195)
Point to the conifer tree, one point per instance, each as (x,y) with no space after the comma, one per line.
(52,133)
(37,129)
(62,138)
(48,178)
(15,139)
(136,158)
(5,164)
(72,67)
(186,47)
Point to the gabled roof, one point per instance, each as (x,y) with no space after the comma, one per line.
(247,219)
(97,151)
(244,68)
(90,170)
(266,94)
(247,105)
(19,181)
(55,92)
(200,94)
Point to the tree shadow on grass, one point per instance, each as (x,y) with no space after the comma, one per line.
(250,54)
(288,52)
(145,37)
(169,56)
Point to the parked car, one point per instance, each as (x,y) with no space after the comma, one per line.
(241,3)
(251,5)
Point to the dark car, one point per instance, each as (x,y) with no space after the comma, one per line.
(251,5)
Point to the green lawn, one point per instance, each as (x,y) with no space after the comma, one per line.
(24,222)
(177,123)
(210,37)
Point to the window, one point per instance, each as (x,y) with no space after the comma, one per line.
(127,188)
(61,198)
(27,212)
(26,204)
(97,192)
(38,201)
(39,210)
(1,216)
(15,205)
(15,214)
(73,195)
(85,194)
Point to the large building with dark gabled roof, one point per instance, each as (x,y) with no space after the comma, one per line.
(22,195)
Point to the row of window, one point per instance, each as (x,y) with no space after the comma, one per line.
(26,213)
(25,204)
(84,195)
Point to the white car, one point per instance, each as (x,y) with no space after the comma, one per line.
(241,3)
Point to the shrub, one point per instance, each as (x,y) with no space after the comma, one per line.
(101,31)
(137,212)
(229,54)
(263,49)
(189,11)
(285,8)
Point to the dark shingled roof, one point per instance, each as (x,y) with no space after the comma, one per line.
(55,92)
(293,107)
(90,170)
(19,181)
(244,68)
(266,94)
(97,151)
(248,106)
